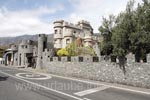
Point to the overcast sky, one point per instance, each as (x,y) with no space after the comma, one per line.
(19,17)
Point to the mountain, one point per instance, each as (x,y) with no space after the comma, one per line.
(5,41)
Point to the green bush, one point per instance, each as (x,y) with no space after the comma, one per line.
(91,50)
(72,49)
(62,52)
(86,51)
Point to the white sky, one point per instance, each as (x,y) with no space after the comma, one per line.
(15,20)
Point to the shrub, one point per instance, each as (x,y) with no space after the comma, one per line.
(62,52)
(86,51)
(72,49)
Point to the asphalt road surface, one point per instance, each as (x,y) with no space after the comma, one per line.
(18,84)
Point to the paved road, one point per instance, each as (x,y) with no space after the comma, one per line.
(17,84)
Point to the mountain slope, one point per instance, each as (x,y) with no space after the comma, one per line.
(5,41)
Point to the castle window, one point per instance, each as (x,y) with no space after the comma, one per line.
(55,31)
(26,46)
(22,46)
(60,32)
(67,41)
(55,41)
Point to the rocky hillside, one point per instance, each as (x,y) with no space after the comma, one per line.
(5,41)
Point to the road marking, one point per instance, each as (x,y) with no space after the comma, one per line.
(84,81)
(42,86)
(86,99)
(33,76)
(90,82)
(90,91)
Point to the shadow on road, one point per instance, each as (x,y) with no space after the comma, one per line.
(3,78)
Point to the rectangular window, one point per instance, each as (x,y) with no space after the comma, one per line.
(67,41)
(22,46)
(60,31)
(55,41)
(55,31)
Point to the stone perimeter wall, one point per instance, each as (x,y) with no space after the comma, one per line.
(137,74)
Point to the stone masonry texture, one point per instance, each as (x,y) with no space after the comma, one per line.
(137,74)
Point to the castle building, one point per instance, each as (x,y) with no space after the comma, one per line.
(65,33)
(21,55)
(28,54)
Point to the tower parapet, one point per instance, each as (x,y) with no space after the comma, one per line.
(58,23)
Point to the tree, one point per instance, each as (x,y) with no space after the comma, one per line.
(2,49)
(126,25)
(130,31)
(140,39)
(86,51)
(72,49)
(75,49)
(106,29)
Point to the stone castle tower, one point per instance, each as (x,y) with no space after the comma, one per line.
(42,45)
(25,51)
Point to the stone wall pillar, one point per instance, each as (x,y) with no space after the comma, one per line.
(130,58)
(22,59)
(148,58)
(96,49)
(7,61)
(12,58)
(15,59)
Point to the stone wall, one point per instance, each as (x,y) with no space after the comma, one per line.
(148,58)
(136,74)
(74,59)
